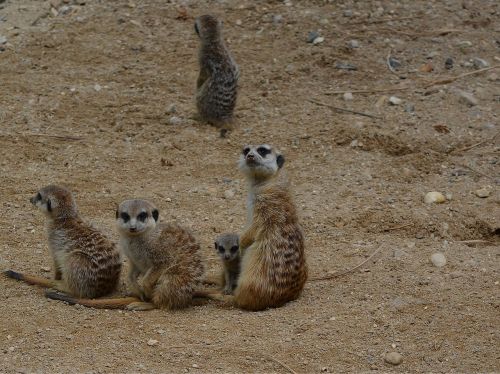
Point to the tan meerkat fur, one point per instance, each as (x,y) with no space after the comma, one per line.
(217,83)
(86,263)
(227,247)
(273,265)
(165,261)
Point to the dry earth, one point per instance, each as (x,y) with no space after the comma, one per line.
(85,92)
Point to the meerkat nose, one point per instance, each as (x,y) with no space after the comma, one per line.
(250,156)
(133,229)
(227,256)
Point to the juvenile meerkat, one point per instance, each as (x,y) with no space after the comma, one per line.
(273,265)
(227,246)
(165,261)
(86,263)
(217,82)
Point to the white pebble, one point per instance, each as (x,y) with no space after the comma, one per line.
(97,87)
(395,100)
(348,96)
(174,121)
(318,40)
(152,342)
(434,197)
(228,194)
(467,98)
(171,109)
(393,358)
(483,192)
(438,259)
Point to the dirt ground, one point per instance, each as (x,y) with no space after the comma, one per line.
(86,96)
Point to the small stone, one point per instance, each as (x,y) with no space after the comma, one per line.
(394,63)
(464,44)
(438,259)
(393,358)
(239,22)
(3,40)
(45,269)
(228,194)
(448,64)
(174,121)
(433,54)
(171,109)
(195,366)
(395,100)
(434,197)
(381,101)
(479,63)
(347,13)
(318,40)
(483,192)
(409,108)
(348,96)
(353,43)
(333,319)
(277,18)
(345,66)
(311,36)
(97,87)
(467,98)
(427,67)
(152,342)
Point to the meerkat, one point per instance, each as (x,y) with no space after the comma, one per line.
(217,83)
(227,246)
(86,263)
(165,261)
(273,265)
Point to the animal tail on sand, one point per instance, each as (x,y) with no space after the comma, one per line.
(30,279)
(111,303)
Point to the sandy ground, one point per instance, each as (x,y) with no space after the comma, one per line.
(86,88)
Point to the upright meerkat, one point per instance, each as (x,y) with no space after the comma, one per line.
(227,246)
(86,263)
(217,82)
(165,261)
(273,265)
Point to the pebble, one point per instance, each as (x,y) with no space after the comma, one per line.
(228,194)
(427,67)
(394,63)
(464,44)
(345,66)
(467,98)
(195,366)
(318,40)
(353,43)
(239,22)
(3,39)
(438,259)
(174,120)
(311,36)
(347,13)
(172,108)
(97,87)
(433,54)
(395,100)
(479,63)
(409,108)
(448,64)
(483,192)
(434,197)
(45,269)
(348,96)
(152,342)
(277,18)
(393,358)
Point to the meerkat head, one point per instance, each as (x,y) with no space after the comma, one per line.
(227,246)
(208,27)
(260,161)
(56,202)
(136,217)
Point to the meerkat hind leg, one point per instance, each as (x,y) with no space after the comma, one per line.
(140,306)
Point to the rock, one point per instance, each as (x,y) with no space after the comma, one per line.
(311,36)
(348,96)
(438,259)
(434,197)
(409,108)
(433,54)
(239,22)
(277,18)
(195,366)
(394,63)
(174,121)
(479,63)
(228,194)
(347,13)
(45,269)
(467,98)
(97,87)
(318,40)
(483,192)
(395,100)
(3,40)
(448,64)
(427,67)
(345,66)
(152,342)
(464,44)
(353,43)
(393,358)
(171,109)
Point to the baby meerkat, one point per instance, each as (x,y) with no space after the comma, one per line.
(165,261)
(86,263)
(217,82)
(228,248)
(273,265)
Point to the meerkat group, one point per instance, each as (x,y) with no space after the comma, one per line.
(263,268)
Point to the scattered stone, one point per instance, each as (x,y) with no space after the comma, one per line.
(394,63)
(239,22)
(3,39)
(464,44)
(353,43)
(467,98)
(277,18)
(381,101)
(347,13)
(434,197)
(348,96)
(195,366)
(171,109)
(152,342)
(174,121)
(345,66)
(45,269)
(318,40)
(409,108)
(395,100)
(427,67)
(448,64)
(228,194)
(483,192)
(438,259)
(393,358)
(449,196)
(458,172)
(311,36)
(479,63)
(433,54)
(97,87)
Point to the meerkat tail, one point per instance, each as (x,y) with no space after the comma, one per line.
(213,295)
(30,279)
(117,303)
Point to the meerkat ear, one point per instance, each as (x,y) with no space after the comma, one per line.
(155,214)
(280,160)
(49,205)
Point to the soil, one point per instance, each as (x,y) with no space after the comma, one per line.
(85,101)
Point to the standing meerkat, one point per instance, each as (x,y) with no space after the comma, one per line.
(217,82)
(165,261)
(228,248)
(273,265)
(86,263)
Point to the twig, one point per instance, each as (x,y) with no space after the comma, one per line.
(336,275)
(280,363)
(476,144)
(60,137)
(476,241)
(368,90)
(476,171)
(344,110)
(398,227)
(453,79)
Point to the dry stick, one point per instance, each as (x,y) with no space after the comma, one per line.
(398,227)
(61,137)
(476,144)
(476,171)
(344,110)
(336,275)
(453,79)
(280,363)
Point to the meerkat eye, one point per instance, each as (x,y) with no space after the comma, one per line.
(196,28)
(38,196)
(142,217)
(263,151)
(49,205)
(221,249)
(125,217)
(234,248)
(245,151)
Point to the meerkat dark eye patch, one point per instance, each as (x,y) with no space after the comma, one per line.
(155,214)
(125,217)
(280,160)
(49,205)
(221,249)
(38,197)
(263,151)
(234,248)
(215,244)
(245,151)
(196,30)
(142,216)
